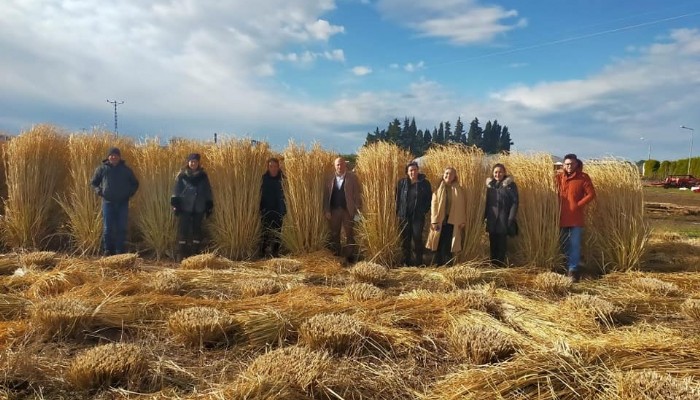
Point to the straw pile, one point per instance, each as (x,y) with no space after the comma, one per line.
(617,232)
(305,229)
(691,308)
(56,282)
(283,265)
(206,260)
(266,328)
(119,261)
(464,274)
(656,286)
(538,211)
(644,384)
(204,326)
(369,272)
(8,265)
(259,287)
(602,310)
(480,344)
(12,306)
(553,283)
(36,167)
(379,167)
(156,167)
(363,292)
(63,317)
(81,205)
(236,171)
(472,173)
(111,365)
(40,259)
(337,333)
(166,282)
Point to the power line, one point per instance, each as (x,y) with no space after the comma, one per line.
(116,103)
(566,40)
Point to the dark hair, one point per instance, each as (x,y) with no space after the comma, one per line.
(571,156)
(411,164)
(499,165)
(273,160)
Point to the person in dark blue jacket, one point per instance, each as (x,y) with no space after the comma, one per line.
(116,184)
(272,208)
(413,195)
(191,200)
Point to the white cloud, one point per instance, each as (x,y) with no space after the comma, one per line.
(323,30)
(461,22)
(410,67)
(308,57)
(361,70)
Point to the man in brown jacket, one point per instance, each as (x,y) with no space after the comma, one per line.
(341,202)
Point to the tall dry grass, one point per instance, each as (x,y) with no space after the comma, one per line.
(82,207)
(379,167)
(537,243)
(156,167)
(236,175)
(472,171)
(36,165)
(617,232)
(305,228)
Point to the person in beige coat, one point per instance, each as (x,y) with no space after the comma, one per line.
(342,201)
(448,216)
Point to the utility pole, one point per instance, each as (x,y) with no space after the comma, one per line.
(116,103)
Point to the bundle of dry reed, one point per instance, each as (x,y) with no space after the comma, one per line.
(39,259)
(108,366)
(472,172)
(204,326)
(119,261)
(649,384)
(379,167)
(480,343)
(8,265)
(305,228)
(617,231)
(464,274)
(81,205)
(363,291)
(537,243)
(37,168)
(156,167)
(337,333)
(55,282)
(266,328)
(553,283)
(63,317)
(691,308)
(12,306)
(369,272)
(206,261)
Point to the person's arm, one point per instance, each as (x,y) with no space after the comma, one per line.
(513,188)
(427,196)
(435,213)
(589,192)
(96,181)
(208,196)
(133,182)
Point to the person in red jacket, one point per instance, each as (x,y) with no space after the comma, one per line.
(575,191)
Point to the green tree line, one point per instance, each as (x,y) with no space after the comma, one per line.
(492,138)
(655,169)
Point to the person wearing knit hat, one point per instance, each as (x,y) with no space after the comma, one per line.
(191,201)
(115,183)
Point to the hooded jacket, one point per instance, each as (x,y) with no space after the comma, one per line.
(501,204)
(192,192)
(114,183)
(575,192)
(423,195)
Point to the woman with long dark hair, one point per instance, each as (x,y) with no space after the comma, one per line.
(501,210)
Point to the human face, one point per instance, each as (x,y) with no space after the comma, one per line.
(193,164)
(114,159)
(499,173)
(273,168)
(413,173)
(570,165)
(449,176)
(340,166)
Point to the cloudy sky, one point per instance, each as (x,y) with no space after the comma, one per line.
(589,76)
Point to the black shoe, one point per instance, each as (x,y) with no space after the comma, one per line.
(574,275)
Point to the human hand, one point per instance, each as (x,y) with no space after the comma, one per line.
(327,215)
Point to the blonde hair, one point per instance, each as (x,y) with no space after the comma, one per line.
(456,179)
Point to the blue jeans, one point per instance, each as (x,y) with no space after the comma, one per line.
(115,217)
(570,242)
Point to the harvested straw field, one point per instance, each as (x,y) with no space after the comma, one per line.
(223,325)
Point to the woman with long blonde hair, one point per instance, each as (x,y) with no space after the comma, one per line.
(447,218)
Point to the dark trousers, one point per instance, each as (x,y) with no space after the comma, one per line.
(341,219)
(115,216)
(498,243)
(412,232)
(444,250)
(189,227)
(271,234)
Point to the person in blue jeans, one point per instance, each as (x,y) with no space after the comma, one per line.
(115,183)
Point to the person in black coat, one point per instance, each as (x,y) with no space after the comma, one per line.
(191,200)
(115,183)
(272,208)
(500,213)
(413,195)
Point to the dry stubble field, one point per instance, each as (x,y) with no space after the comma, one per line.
(311,328)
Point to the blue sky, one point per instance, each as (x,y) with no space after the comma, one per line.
(588,76)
